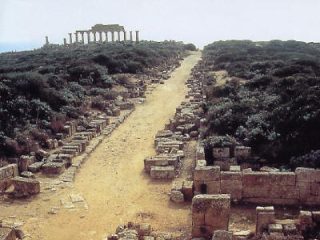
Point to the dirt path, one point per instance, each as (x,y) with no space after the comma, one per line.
(112,183)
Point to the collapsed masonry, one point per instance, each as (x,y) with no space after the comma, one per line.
(169,143)
(65,158)
(142,231)
(210,219)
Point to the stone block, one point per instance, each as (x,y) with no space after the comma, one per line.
(231,176)
(213,187)
(203,202)
(5,184)
(275,201)
(257,191)
(283,178)
(177,185)
(232,187)
(65,158)
(197,218)
(274,236)
(304,174)
(24,163)
(197,186)
(217,220)
(200,152)
(176,196)
(219,153)
(312,201)
(304,190)
(207,173)
(24,187)
(224,164)
(235,168)
(269,169)
(201,163)
(53,168)
(283,191)
(167,172)
(27,174)
(161,160)
(315,188)
(216,210)
(148,238)
(144,229)
(9,171)
(290,229)
(242,152)
(164,134)
(253,179)
(222,235)
(315,176)
(274,227)
(305,218)
(264,217)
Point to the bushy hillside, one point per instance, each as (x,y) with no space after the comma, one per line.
(41,89)
(272,103)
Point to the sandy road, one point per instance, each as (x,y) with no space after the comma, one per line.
(112,181)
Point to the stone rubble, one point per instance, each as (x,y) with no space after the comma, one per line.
(142,231)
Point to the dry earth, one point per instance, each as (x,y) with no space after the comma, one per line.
(111,188)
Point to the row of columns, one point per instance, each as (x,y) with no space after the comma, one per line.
(89,33)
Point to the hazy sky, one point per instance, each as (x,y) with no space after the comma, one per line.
(26,22)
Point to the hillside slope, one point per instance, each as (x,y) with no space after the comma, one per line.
(271,102)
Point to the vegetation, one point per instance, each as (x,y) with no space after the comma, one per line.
(41,89)
(271,102)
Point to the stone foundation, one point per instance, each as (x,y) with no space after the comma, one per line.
(277,188)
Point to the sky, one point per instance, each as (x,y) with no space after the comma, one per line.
(25,23)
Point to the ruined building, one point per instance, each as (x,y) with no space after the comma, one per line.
(100,33)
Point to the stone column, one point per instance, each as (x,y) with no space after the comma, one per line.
(94,37)
(47,40)
(82,37)
(70,38)
(119,36)
(106,37)
(88,34)
(65,42)
(124,36)
(100,37)
(137,36)
(131,36)
(77,37)
(112,36)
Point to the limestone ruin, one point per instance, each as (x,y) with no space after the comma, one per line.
(99,33)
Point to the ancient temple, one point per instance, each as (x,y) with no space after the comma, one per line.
(102,33)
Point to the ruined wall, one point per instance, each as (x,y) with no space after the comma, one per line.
(299,187)
(6,174)
(270,228)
